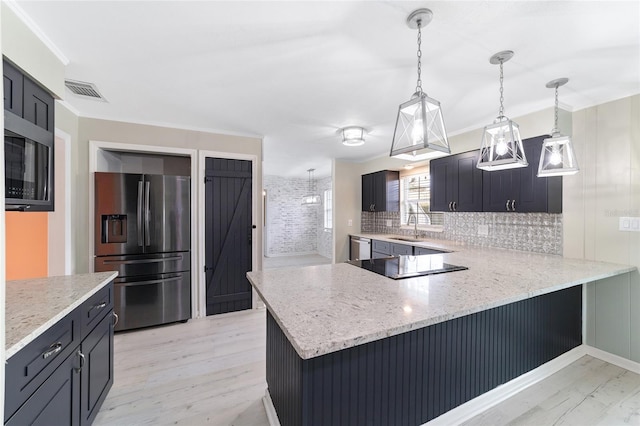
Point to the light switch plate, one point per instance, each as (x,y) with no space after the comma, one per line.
(629,224)
(483,230)
(349,222)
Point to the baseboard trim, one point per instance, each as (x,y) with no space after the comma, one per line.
(272,416)
(619,361)
(495,396)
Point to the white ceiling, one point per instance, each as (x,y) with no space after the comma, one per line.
(296,72)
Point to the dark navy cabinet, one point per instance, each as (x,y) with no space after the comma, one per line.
(12,86)
(456,183)
(381,191)
(64,374)
(26,99)
(521,190)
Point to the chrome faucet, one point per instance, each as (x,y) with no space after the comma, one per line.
(415,223)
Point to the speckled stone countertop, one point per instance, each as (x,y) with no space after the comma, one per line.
(326,308)
(32,306)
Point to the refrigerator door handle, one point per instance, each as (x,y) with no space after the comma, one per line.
(147,215)
(139,213)
(139,261)
(160,281)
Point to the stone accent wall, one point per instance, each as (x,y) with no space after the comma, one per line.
(325,238)
(536,232)
(292,228)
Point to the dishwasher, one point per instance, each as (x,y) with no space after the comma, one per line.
(360,248)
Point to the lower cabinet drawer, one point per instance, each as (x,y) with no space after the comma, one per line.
(95,308)
(398,249)
(381,247)
(32,365)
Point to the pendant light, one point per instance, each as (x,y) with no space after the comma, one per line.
(419,125)
(501,146)
(557,157)
(311,199)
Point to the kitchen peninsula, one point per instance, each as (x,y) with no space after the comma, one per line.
(346,345)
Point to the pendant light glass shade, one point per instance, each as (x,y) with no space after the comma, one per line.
(501,146)
(420,128)
(311,199)
(557,157)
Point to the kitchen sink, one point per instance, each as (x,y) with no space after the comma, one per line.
(416,240)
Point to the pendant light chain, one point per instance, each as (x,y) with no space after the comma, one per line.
(555,118)
(419,82)
(501,112)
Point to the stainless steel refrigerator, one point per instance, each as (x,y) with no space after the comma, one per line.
(143,231)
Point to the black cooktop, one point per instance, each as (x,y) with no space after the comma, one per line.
(398,267)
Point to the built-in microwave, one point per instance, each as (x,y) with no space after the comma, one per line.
(28,164)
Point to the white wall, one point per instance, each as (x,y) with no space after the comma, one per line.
(607,143)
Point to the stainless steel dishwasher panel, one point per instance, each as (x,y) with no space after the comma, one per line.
(360,248)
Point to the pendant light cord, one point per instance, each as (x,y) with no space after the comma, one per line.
(419,82)
(501,112)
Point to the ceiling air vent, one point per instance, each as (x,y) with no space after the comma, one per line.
(87,90)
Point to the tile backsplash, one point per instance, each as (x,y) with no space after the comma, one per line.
(536,232)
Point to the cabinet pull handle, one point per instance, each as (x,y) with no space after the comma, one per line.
(455,206)
(513,205)
(116,318)
(507,205)
(450,209)
(100,305)
(81,355)
(53,349)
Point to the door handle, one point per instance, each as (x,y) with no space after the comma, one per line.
(507,205)
(139,213)
(81,355)
(450,208)
(116,318)
(513,205)
(147,214)
(455,206)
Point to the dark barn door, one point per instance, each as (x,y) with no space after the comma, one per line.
(228,230)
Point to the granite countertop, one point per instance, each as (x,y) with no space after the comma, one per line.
(34,305)
(326,308)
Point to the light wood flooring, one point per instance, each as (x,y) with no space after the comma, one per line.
(212,371)
(291,261)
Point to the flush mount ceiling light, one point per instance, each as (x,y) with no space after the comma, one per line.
(419,126)
(501,146)
(311,199)
(557,157)
(353,136)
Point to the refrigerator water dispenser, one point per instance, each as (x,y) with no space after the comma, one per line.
(114,228)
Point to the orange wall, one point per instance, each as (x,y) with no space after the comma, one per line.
(26,245)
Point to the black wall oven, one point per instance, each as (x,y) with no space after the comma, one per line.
(28,162)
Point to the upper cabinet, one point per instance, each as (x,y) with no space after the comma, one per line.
(381,191)
(12,85)
(456,183)
(520,190)
(26,99)
(28,142)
